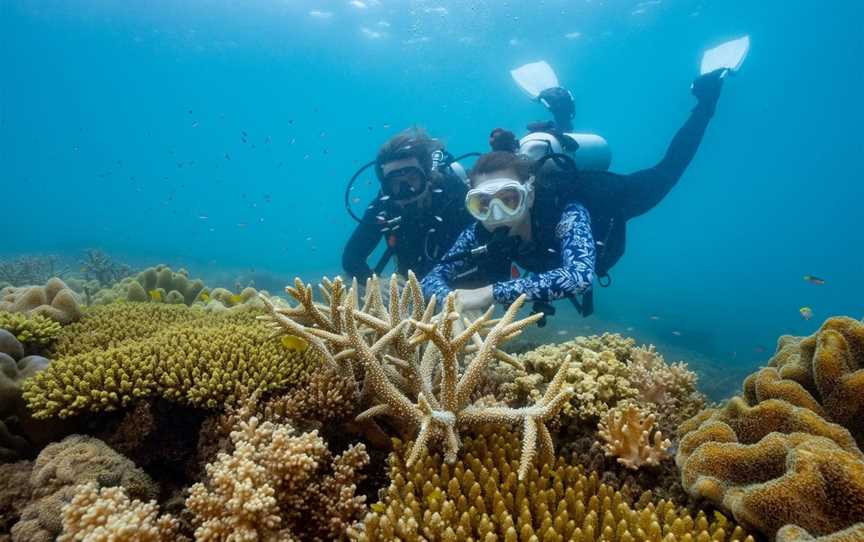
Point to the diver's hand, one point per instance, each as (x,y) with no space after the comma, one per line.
(558,101)
(476,299)
(707,88)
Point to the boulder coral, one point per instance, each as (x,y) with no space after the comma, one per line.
(54,300)
(480,497)
(205,362)
(57,472)
(787,452)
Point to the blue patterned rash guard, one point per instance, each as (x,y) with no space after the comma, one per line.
(572,276)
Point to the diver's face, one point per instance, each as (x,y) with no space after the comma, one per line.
(500,199)
(404,181)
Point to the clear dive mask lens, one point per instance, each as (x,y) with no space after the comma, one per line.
(508,197)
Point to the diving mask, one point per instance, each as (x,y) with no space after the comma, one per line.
(404,183)
(498,201)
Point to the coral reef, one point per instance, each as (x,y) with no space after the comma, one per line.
(793,533)
(785,453)
(59,469)
(37,332)
(327,397)
(100,269)
(106,513)
(33,269)
(159,284)
(480,497)
(54,300)
(628,435)
(207,363)
(415,352)
(278,485)
(15,493)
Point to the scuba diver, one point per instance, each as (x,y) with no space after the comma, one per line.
(567,168)
(418,211)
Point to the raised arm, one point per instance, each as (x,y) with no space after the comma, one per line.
(577,264)
(645,189)
(440,279)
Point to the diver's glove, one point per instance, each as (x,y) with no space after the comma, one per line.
(560,103)
(707,88)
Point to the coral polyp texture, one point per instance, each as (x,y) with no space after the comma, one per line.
(630,437)
(278,485)
(35,331)
(54,300)
(414,361)
(480,497)
(785,453)
(183,355)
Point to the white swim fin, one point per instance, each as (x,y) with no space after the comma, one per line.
(729,55)
(534,78)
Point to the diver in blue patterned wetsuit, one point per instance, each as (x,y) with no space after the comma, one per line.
(561,261)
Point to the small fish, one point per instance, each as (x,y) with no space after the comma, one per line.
(378,507)
(294,343)
(242,224)
(356,200)
(653,317)
(244,133)
(562,332)
(195,124)
(203,217)
(676,333)
(384,198)
(806,312)
(204,296)
(155,295)
(438,218)
(235,299)
(268,198)
(814,280)
(227,156)
(630,328)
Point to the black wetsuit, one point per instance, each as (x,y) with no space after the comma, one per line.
(423,236)
(612,199)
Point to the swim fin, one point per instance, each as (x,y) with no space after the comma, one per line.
(729,55)
(534,78)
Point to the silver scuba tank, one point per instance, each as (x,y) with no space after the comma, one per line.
(593,153)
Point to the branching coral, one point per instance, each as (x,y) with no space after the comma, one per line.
(628,436)
(60,468)
(100,268)
(776,456)
(412,361)
(106,514)
(328,397)
(34,269)
(54,300)
(278,485)
(35,331)
(481,498)
(207,363)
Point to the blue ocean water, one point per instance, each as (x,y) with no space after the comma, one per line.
(219,135)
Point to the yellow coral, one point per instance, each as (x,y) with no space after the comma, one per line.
(481,498)
(34,330)
(205,362)
(628,437)
(105,514)
(54,300)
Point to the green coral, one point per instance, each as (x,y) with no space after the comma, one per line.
(190,357)
(35,330)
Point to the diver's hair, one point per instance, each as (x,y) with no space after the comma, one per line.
(410,143)
(501,161)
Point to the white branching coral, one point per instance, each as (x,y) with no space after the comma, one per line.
(108,515)
(628,436)
(419,367)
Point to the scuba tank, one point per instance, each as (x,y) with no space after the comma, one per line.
(589,152)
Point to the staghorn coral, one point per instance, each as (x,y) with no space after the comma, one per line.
(106,514)
(34,269)
(35,331)
(101,270)
(60,468)
(480,497)
(54,300)
(785,453)
(278,485)
(628,436)
(823,372)
(206,363)
(414,354)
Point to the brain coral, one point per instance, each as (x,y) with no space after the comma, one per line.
(208,361)
(786,452)
(54,300)
(481,498)
(64,465)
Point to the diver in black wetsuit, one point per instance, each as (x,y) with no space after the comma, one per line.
(611,200)
(418,212)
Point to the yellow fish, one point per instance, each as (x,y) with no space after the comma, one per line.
(155,295)
(235,299)
(294,343)
(204,296)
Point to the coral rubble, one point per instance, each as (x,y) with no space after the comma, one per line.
(54,300)
(208,362)
(785,453)
(480,497)
(412,365)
